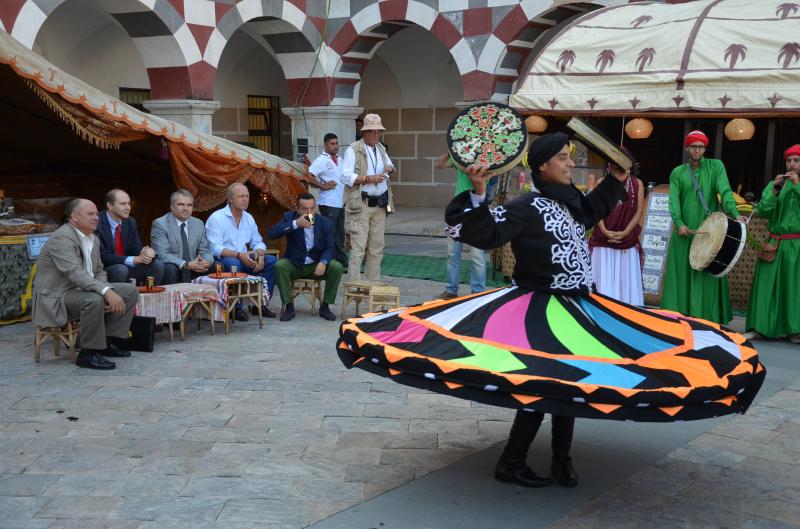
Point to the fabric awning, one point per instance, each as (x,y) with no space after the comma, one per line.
(718,56)
(201,163)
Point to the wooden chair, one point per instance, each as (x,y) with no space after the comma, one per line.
(242,290)
(66,334)
(311,288)
(357,291)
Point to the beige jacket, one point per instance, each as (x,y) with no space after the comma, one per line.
(352,199)
(59,268)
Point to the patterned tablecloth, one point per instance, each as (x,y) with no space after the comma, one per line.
(167,306)
(221,286)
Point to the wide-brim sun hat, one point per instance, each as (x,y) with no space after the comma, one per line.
(372,122)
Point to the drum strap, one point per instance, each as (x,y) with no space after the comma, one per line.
(785,236)
(697,189)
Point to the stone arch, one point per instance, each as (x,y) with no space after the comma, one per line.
(166,44)
(294,39)
(518,37)
(361,36)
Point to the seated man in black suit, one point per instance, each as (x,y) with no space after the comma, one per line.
(180,241)
(309,254)
(121,249)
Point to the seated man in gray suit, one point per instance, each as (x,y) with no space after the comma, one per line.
(180,242)
(71,283)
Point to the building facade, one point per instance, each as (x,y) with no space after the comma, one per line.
(279,74)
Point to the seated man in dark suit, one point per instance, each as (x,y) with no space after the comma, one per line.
(309,254)
(71,283)
(121,250)
(180,241)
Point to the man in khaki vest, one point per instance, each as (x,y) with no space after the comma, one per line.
(366,170)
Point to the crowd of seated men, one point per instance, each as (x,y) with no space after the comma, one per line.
(87,267)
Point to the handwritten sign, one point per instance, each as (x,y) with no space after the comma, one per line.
(651,282)
(654,242)
(658,202)
(35,245)
(659,223)
(656,232)
(654,262)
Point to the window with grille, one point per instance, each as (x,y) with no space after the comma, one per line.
(262,114)
(135,97)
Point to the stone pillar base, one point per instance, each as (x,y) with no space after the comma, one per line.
(192,113)
(313,123)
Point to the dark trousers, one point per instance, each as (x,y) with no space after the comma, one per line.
(523,432)
(120,273)
(337,216)
(173,275)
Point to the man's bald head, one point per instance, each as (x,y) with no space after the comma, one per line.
(238,197)
(82,214)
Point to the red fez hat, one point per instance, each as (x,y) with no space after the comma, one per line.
(695,136)
(794,150)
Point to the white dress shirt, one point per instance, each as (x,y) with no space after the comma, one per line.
(222,232)
(329,169)
(374,166)
(308,233)
(87,245)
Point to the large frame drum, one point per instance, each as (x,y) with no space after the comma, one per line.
(491,134)
(718,244)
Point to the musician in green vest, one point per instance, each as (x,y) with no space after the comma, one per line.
(693,191)
(774,308)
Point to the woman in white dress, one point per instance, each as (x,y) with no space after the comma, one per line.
(615,247)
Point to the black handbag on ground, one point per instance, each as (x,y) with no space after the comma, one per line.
(141,336)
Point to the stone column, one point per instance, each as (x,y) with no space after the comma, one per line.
(313,123)
(193,113)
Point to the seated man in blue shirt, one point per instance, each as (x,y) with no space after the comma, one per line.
(309,254)
(230,230)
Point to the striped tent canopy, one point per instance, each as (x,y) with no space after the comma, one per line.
(203,163)
(720,56)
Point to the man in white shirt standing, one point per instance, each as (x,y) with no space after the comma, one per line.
(230,230)
(327,168)
(366,170)
(71,283)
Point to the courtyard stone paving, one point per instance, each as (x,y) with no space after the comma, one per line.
(259,428)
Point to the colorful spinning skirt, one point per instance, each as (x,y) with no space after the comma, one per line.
(584,356)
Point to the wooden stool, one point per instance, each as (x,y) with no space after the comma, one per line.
(67,334)
(207,304)
(383,297)
(357,291)
(311,288)
(241,290)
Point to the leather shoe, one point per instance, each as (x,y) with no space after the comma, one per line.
(520,475)
(562,471)
(114,351)
(447,295)
(264,311)
(325,312)
(89,359)
(287,314)
(240,315)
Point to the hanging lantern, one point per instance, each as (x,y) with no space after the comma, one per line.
(639,128)
(739,129)
(536,124)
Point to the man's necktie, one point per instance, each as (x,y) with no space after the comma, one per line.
(335,160)
(185,252)
(119,249)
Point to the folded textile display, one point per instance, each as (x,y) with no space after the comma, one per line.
(585,356)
